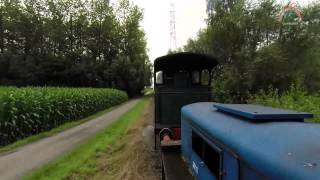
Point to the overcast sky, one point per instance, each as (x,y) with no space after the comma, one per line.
(190,18)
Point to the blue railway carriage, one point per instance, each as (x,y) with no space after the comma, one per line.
(221,141)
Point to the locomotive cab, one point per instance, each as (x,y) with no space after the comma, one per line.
(179,79)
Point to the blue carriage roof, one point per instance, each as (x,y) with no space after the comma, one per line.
(262,113)
(281,150)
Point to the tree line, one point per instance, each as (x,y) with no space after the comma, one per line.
(260,47)
(73,43)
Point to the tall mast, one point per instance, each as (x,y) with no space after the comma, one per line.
(173,35)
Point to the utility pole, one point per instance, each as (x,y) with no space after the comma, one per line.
(173,35)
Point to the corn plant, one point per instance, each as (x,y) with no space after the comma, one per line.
(28,111)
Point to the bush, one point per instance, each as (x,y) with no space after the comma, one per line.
(295,99)
(28,111)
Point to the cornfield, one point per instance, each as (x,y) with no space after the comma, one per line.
(28,111)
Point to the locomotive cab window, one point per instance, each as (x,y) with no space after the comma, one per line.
(205,77)
(210,155)
(180,79)
(195,77)
(159,77)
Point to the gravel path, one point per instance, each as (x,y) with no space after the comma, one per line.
(17,163)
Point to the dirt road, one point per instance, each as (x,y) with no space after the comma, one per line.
(15,164)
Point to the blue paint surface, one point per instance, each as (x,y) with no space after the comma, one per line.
(230,167)
(186,141)
(257,112)
(277,150)
(200,171)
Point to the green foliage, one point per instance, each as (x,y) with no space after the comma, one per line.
(51,132)
(73,43)
(257,51)
(28,111)
(296,99)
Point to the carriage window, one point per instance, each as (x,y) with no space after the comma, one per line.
(159,77)
(212,159)
(211,156)
(195,77)
(205,77)
(197,144)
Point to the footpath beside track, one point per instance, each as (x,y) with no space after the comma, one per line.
(17,163)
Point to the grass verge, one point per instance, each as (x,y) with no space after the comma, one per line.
(131,157)
(83,159)
(52,132)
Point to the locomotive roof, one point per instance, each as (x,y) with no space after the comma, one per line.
(184,61)
(281,150)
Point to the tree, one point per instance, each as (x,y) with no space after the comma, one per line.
(73,43)
(133,66)
(256,51)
